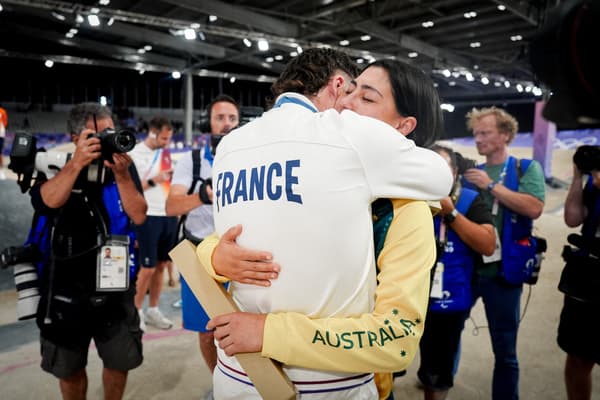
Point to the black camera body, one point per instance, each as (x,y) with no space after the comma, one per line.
(112,141)
(587,158)
(463,163)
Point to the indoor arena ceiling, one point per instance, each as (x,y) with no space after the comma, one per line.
(473,49)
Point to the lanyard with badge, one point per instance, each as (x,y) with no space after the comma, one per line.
(497,255)
(437,283)
(112,266)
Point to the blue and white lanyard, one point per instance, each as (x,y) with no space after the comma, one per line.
(495,206)
(286,99)
(156,153)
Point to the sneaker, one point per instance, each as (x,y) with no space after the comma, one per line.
(142,322)
(177,304)
(155,318)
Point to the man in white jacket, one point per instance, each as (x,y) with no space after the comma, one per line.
(300,181)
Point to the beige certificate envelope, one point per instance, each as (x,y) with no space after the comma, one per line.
(266,374)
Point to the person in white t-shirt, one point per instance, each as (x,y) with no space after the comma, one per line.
(156,237)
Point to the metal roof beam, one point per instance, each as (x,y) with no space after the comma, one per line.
(239,15)
(166,40)
(411,43)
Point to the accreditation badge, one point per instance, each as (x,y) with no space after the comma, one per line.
(437,284)
(497,256)
(112,271)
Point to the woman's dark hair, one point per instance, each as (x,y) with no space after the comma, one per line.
(310,71)
(415,96)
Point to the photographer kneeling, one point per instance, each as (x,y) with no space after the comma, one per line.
(579,327)
(82,298)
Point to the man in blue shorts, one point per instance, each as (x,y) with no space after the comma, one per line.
(189,197)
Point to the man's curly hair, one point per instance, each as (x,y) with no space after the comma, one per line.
(310,71)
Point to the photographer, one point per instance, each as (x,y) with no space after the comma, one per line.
(579,327)
(79,302)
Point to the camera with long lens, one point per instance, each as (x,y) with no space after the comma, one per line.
(587,158)
(26,158)
(22,259)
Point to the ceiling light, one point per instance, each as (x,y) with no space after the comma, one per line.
(269,59)
(103,100)
(471,14)
(365,38)
(469,77)
(293,54)
(247,42)
(447,107)
(195,25)
(56,15)
(360,61)
(147,47)
(176,74)
(232,79)
(212,18)
(1,8)
(79,19)
(263,45)
(427,24)
(413,54)
(110,21)
(519,88)
(141,71)
(501,7)
(73,31)
(497,84)
(201,35)
(93,20)
(189,34)
(516,38)
(69,35)
(279,57)
(475,44)
(485,80)
(344,42)
(49,63)
(104,2)
(446,73)
(94,10)
(455,74)
(527,88)
(141,51)
(452,83)
(537,91)
(299,50)
(507,84)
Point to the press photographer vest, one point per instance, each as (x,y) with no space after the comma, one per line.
(458,260)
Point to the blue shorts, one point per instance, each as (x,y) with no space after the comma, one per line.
(156,237)
(194,316)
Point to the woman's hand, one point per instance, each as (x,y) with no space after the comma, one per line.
(239,332)
(243,265)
